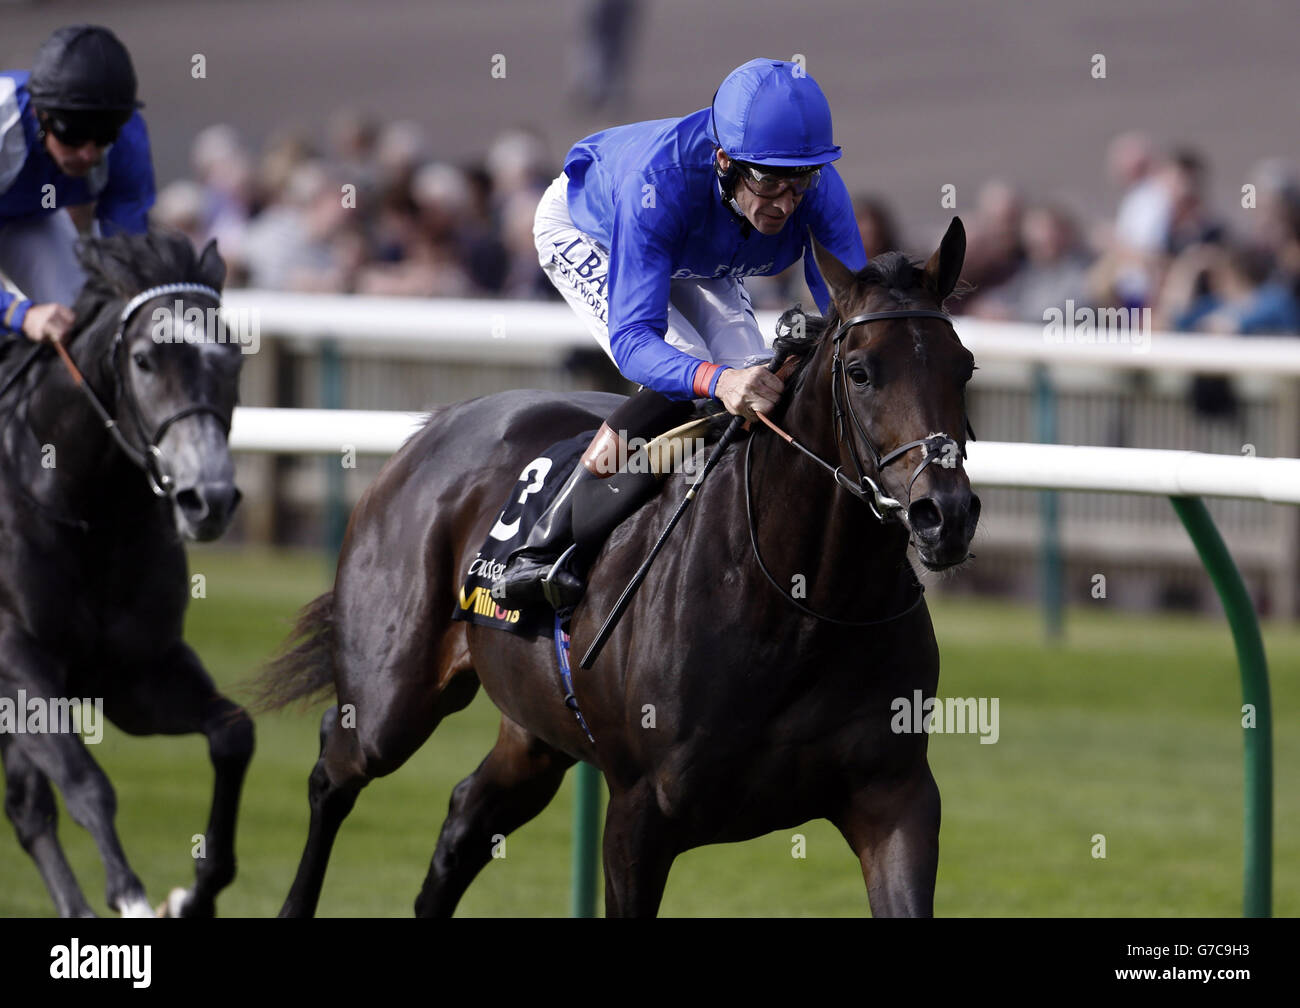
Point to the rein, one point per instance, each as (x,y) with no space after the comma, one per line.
(753,541)
(150,459)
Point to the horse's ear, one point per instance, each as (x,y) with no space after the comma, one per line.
(838,277)
(212,268)
(90,255)
(944,267)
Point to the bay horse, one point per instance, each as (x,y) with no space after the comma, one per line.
(93,577)
(770,707)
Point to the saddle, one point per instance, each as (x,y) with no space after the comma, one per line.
(603,504)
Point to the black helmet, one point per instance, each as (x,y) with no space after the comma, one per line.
(83,68)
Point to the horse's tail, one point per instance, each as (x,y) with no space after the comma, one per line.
(305,668)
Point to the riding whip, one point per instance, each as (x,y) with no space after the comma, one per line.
(624,600)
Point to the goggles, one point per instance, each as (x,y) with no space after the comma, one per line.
(770,185)
(76,129)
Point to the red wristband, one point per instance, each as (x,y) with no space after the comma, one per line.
(702,385)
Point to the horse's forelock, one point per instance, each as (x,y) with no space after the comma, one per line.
(120,267)
(124,265)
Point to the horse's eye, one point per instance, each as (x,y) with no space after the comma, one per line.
(859,376)
(142,361)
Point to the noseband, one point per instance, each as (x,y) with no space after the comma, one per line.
(149,458)
(937,446)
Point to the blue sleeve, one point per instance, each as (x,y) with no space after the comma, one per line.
(835,227)
(124,202)
(13,310)
(640,272)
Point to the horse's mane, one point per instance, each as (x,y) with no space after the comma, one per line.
(121,266)
(901,275)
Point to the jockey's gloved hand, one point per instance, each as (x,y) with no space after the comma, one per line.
(748,391)
(48,322)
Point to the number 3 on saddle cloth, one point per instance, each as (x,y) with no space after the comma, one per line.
(538,483)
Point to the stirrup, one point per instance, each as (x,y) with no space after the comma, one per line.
(554,590)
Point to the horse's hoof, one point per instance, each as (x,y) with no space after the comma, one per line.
(174,904)
(138,907)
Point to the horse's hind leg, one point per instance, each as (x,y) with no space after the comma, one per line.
(331,797)
(516,780)
(64,760)
(29,802)
(176,696)
(895,833)
(385,725)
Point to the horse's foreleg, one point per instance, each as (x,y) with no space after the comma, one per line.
(30,805)
(178,697)
(516,780)
(895,834)
(638,853)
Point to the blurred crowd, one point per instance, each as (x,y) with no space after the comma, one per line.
(373,211)
(1165,249)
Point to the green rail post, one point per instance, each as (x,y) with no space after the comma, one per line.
(586,826)
(1258,860)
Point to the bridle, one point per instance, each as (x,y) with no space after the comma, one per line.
(937,446)
(149,458)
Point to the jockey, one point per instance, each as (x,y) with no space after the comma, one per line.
(648,234)
(70,139)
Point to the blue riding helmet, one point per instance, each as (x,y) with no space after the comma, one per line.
(770,112)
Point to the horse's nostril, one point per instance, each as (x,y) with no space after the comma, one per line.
(209,503)
(925,518)
(973,515)
(191,502)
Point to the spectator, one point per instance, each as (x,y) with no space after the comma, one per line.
(1228,291)
(1129,269)
(876,225)
(607,30)
(1055,271)
(433,263)
(994,249)
(1189,221)
(181,207)
(1276,220)
(311,242)
(224,171)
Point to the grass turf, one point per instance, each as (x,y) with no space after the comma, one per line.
(1131,729)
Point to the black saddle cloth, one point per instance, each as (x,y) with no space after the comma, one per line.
(537,485)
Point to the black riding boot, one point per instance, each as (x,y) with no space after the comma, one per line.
(533,573)
(546,568)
